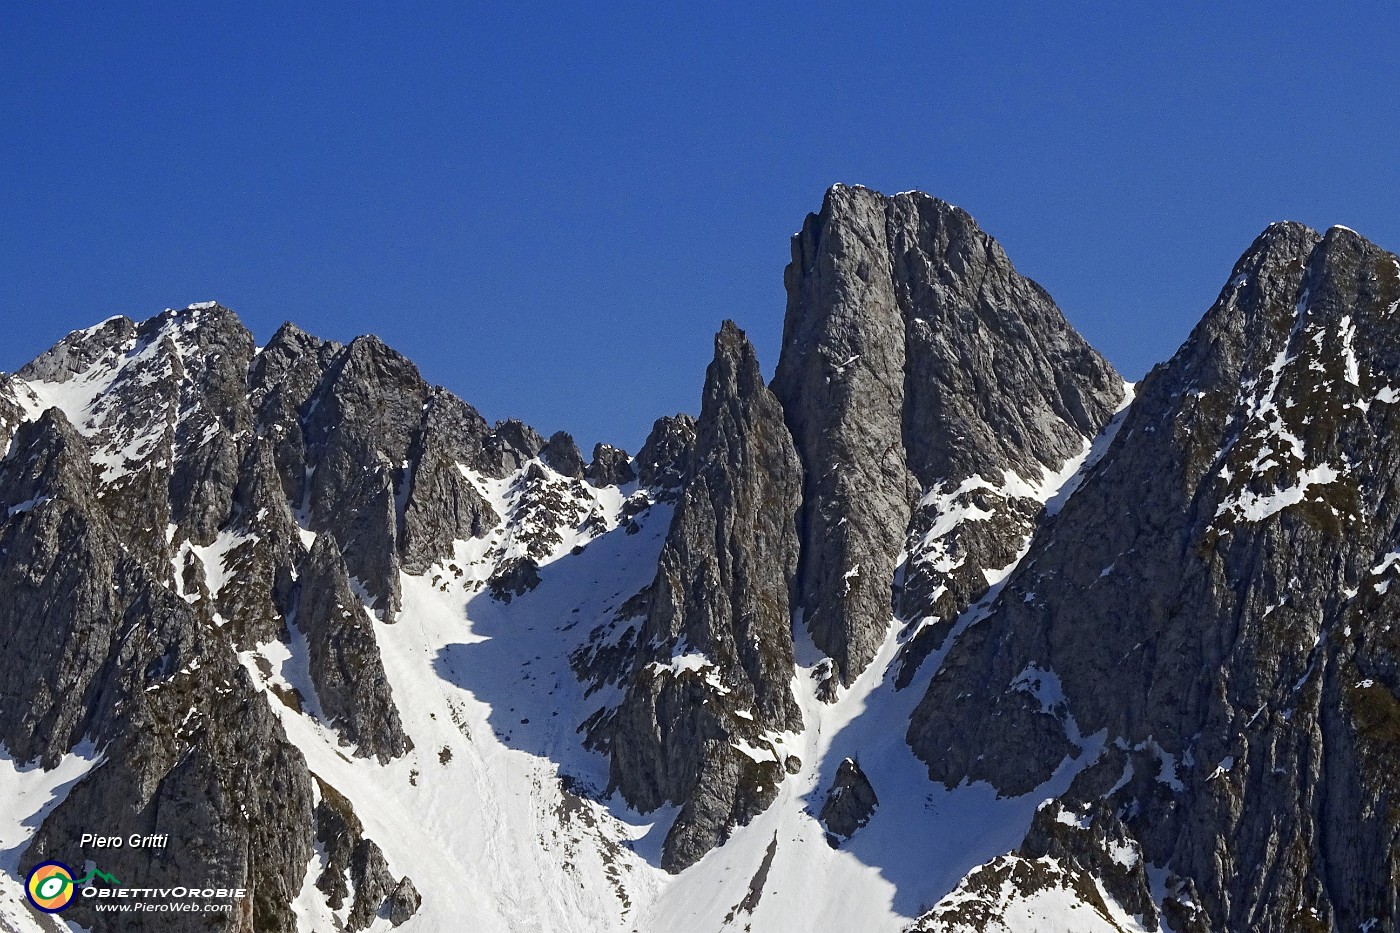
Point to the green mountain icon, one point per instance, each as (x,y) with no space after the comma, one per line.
(101,876)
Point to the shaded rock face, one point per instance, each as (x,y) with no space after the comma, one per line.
(610,466)
(918,370)
(850,802)
(126,663)
(1216,599)
(562,454)
(716,653)
(665,457)
(345,666)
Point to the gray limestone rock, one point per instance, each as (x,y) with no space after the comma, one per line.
(562,454)
(509,447)
(1215,598)
(442,505)
(281,382)
(345,666)
(717,652)
(79,351)
(364,419)
(404,902)
(160,535)
(610,466)
(11,412)
(264,560)
(126,663)
(917,366)
(665,458)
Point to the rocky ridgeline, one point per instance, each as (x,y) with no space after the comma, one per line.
(209,498)
(1202,635)
(924,386)
(1215,602)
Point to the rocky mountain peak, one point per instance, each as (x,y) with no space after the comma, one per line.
(384,663)
(915,361)
(712,678)
(1233,527)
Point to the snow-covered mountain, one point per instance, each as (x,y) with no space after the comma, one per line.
(941,630)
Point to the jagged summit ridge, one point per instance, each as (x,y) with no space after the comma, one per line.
(1239,526)
(465,671)
(211,519)
(716,652)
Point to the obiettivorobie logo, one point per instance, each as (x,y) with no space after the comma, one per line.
(51,885)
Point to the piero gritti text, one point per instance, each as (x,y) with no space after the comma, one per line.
(134,841)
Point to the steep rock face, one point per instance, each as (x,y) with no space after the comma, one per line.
(57,556)
(849,803)
(122,661)
(281,382)
(265,547)
(922,377)
(359,433)
(345,666)
(442,504)
(716,652)
(562,454)
(11,412)
(1216,601)
(509,447)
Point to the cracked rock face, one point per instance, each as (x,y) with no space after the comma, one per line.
(716,653)
(919,367)
(1215,599)
(344,658)
(162,694)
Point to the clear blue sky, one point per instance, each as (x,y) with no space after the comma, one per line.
(551,207)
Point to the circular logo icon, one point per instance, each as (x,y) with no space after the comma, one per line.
(50,886)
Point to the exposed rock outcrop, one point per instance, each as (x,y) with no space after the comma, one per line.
(665,458)
(919,368)
(610,466)
(850,802)
(562,454)
(716,652)
(1216,600)
(345,666)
